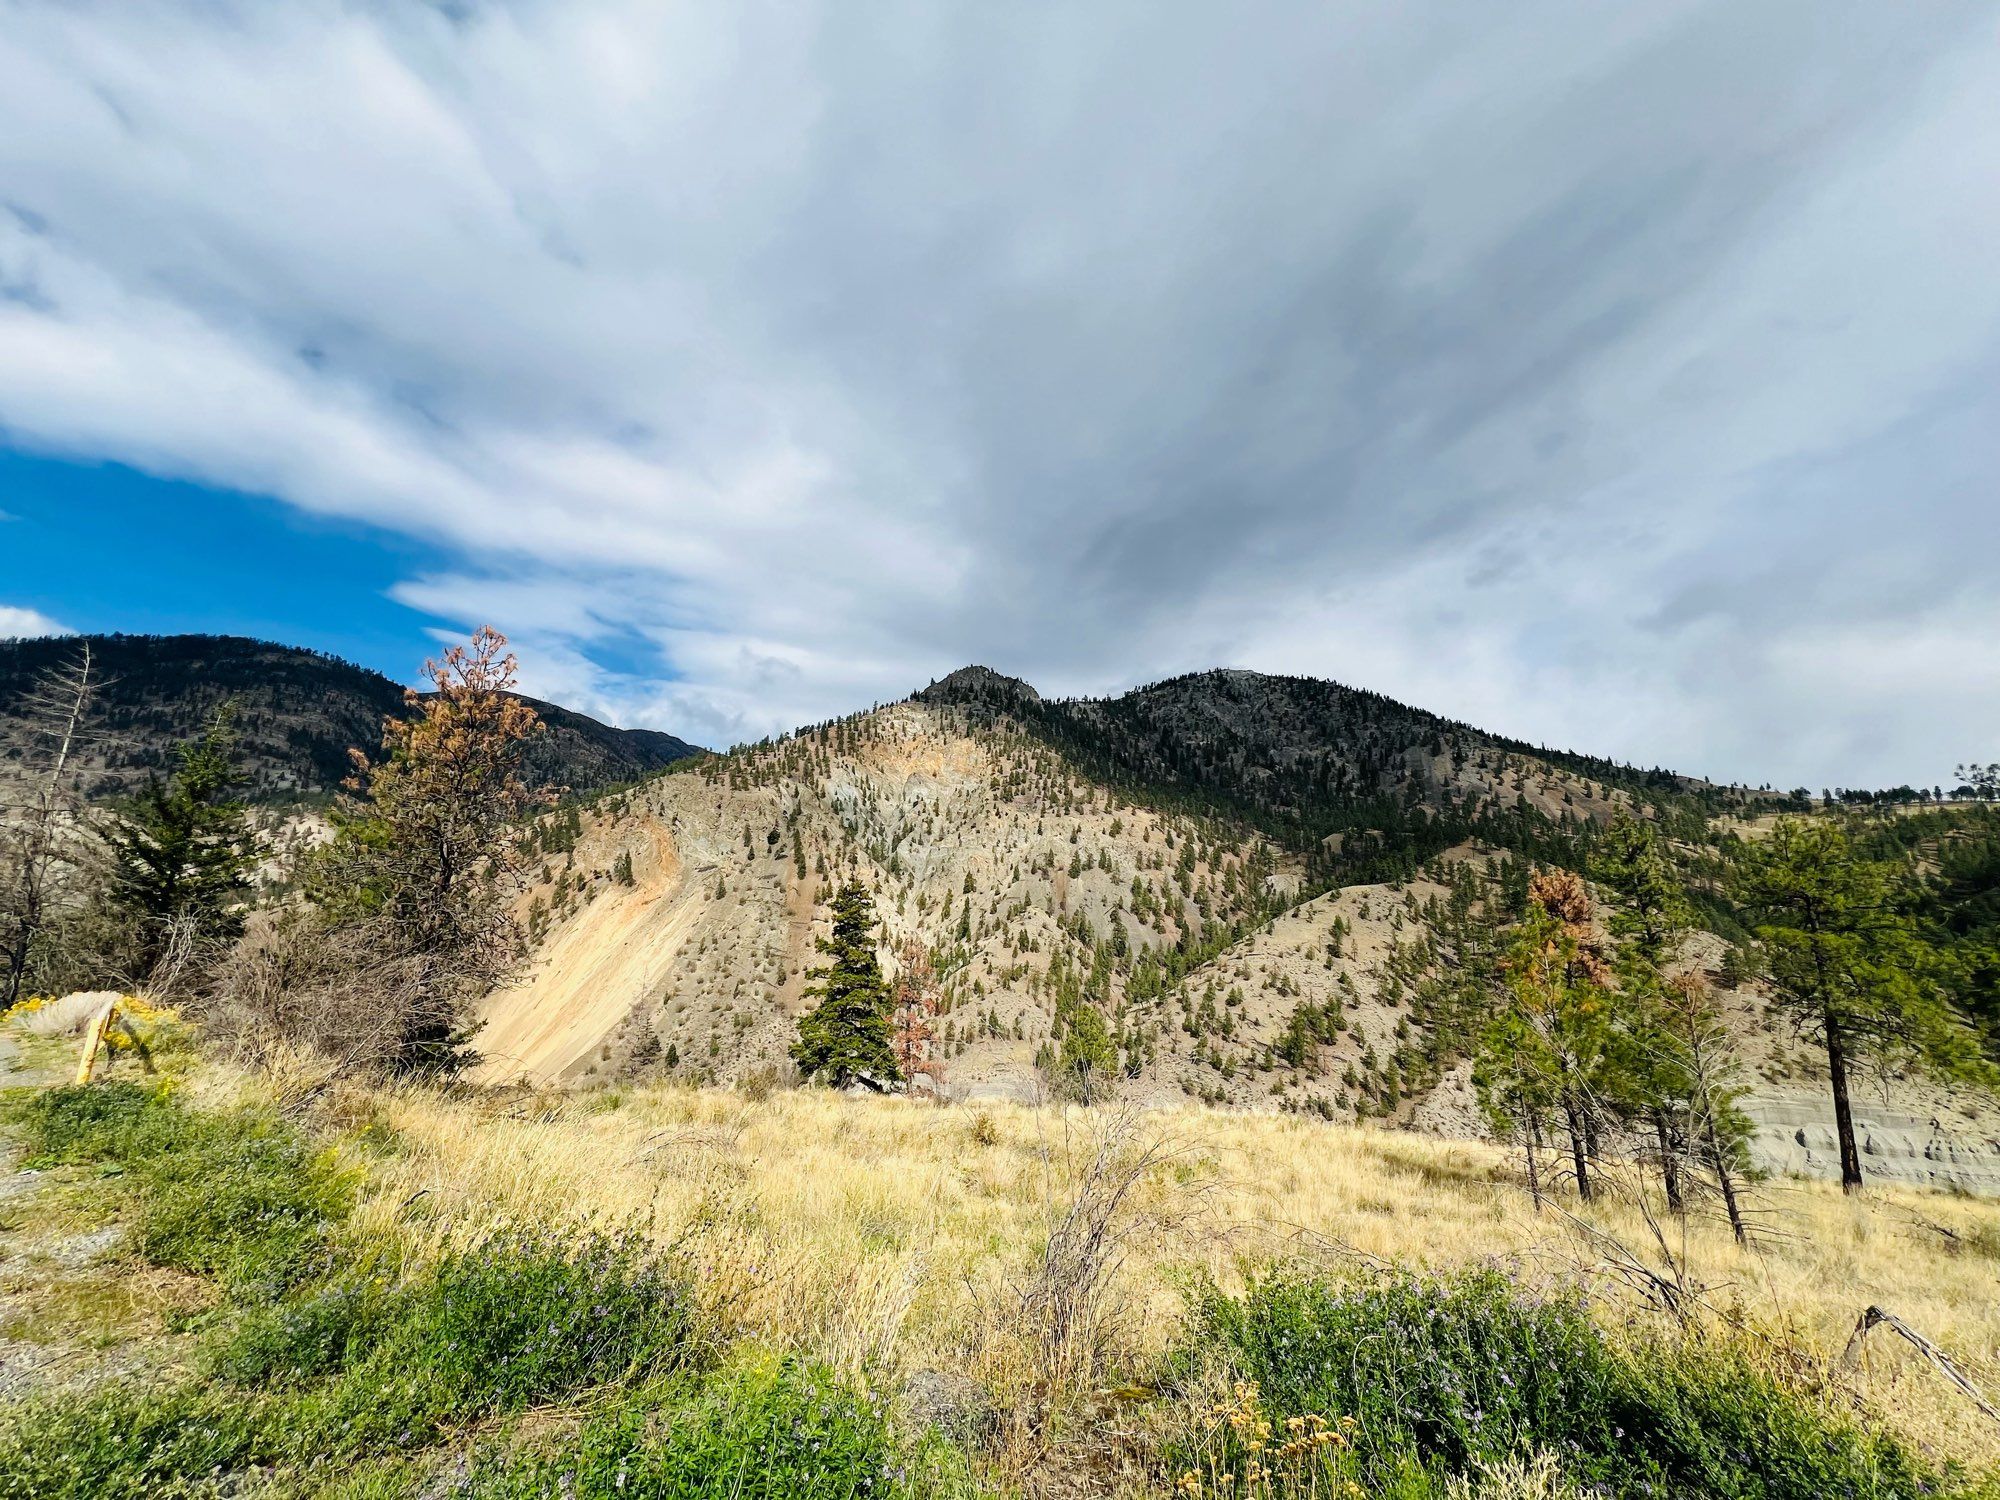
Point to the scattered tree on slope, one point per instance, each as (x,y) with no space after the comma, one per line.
(845,1039)
(1846,964)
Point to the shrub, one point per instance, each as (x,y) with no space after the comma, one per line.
(125,1443)
(241,1195)
(1456,1378)
(319,1332)
(518,1318)
(526,1315)
(760,1431)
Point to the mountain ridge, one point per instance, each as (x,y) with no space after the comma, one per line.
(298,712)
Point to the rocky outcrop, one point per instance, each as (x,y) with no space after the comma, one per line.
(1940,1149)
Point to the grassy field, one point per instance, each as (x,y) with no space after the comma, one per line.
(1072,1296)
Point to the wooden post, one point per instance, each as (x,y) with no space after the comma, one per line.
(93,1039)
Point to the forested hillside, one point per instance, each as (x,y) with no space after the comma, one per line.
(1260,892)
(296,714)
(1361,785)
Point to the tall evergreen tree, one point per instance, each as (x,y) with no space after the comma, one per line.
(181,854)
(1547,1049)
(845,1039)
(1846,963)
(1674,1070)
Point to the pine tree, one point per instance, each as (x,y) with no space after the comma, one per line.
(1846,964)
(1089,1060)
(181,855)
(845,1039)
(1546,1052)
(1674,1068)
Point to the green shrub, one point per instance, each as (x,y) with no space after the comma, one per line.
(768,1431)
(125,1443)
(1451,1377)
(323,1352)
(241,1195)
(526,1316)
(319,1331)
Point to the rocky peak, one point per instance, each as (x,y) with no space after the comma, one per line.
(981,685)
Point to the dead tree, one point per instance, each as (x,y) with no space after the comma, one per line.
(914,1013)
(34,830)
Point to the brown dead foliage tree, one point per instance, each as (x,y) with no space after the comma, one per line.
(408,917)
(915,1004)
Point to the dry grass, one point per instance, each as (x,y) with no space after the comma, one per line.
(889,1237)
(63,1016)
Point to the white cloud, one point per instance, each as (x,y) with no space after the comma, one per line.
(1578,370)
(19,623)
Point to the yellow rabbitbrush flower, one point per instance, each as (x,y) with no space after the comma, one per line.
(144,1022)
(1310,1464)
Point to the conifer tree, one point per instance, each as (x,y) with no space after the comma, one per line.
(1846,964)
(1674,1068)
(423,859)
(1089,1060)
(1546,1051)
(845,1039)
(916,1008)
(181,854)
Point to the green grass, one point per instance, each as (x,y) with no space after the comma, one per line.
(241,1196)
(1449,1377)
(332,1365)
(759,1430)
(342,1371)
(326,1348)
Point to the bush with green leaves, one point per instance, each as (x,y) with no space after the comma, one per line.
(336,1372)
(763,1430)
(326,1346)
(241,1194)
(1453,1377)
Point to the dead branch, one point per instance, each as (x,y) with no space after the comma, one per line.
(1876,1317)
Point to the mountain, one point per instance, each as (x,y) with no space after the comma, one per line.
(1357,782)
(297,712)
(1273,889)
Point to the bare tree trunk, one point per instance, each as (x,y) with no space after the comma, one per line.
(1670,1165)
(1530,1139)
(1727,1184)
(1573,1120)
(60,702)
(1843,1111)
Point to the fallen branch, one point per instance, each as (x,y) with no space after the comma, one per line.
(1874,1317)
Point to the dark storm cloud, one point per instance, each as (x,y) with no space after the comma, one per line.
(1621,376)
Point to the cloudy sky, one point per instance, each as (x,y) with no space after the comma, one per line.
(1619,376)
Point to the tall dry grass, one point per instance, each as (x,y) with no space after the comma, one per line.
(889,1237)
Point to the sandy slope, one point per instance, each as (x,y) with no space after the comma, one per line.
(620,947)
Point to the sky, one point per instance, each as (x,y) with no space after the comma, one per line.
(1618,377)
